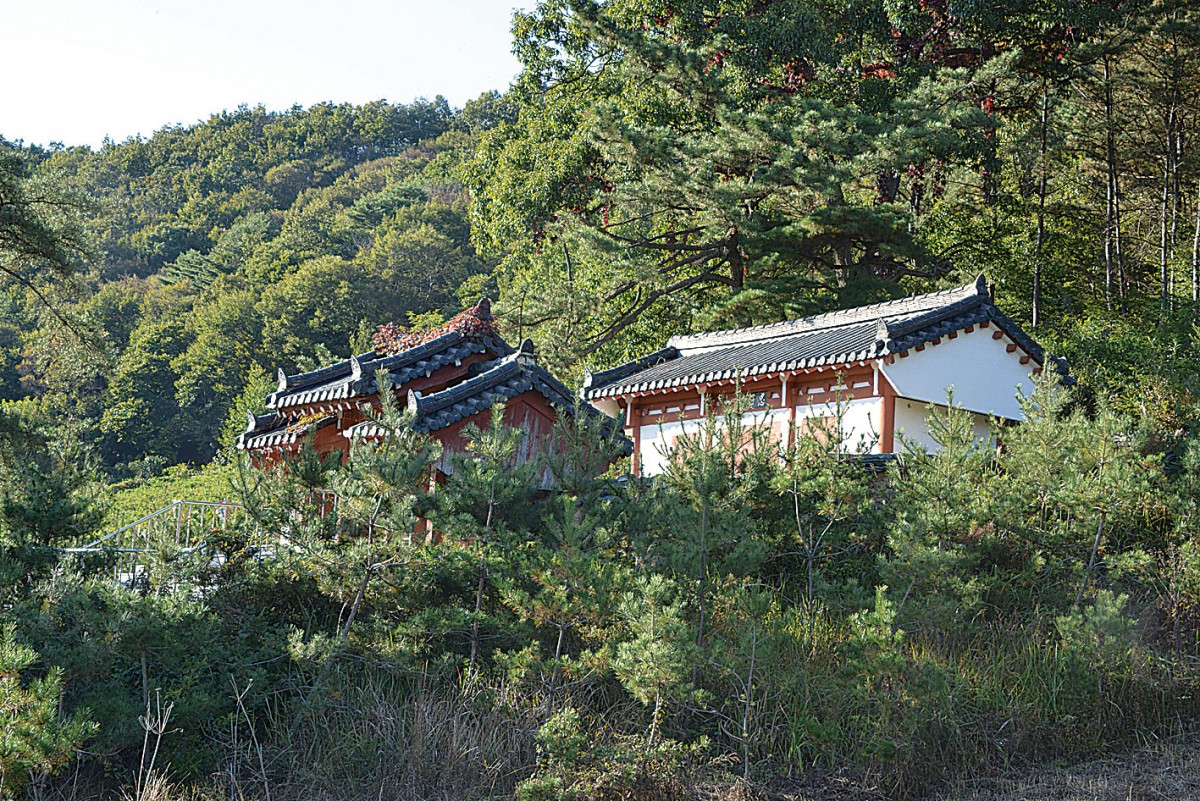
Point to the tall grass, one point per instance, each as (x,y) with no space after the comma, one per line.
(931,711)
(375,735)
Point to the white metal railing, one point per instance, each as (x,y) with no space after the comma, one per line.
(182,526)
(181,522)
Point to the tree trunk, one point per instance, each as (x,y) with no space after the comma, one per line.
(812,569)
(558,648)
(1163,241)
(747,706)
(1122,281)
(737,265)
(1196,251)
(1087,573)
(658,705)
(1035,311)
(482,572)
(703,571)
(1110,199)
(1170,124)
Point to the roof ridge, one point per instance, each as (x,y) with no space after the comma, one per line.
(369,361)
(923,319)
(435,402)
(541,375)
(404,358)
(358,374)
(868,335)
(825,320)
(320,375)
(602,377)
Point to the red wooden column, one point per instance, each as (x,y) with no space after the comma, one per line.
(633,411)
(790,405)
(887,425)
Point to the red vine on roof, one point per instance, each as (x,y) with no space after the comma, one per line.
(476,322)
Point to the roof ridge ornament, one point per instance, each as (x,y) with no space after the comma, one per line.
(526,354)
(981,287)
(283,381)
(355,369)
(414,401)
(477,323)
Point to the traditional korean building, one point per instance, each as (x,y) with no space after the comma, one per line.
(449,377)
(879,366)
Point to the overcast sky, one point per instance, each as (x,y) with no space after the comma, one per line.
(76,71)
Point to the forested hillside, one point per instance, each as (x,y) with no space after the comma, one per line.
(651,172)
(221,251)
(771,622)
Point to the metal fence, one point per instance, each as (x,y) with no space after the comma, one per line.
(181,528)
(189,533)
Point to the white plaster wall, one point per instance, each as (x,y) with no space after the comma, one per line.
(912,421)
(985,377)
(860,426)
(766,417)
(860,422)
(658,440)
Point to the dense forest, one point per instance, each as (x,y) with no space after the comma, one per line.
(755,622)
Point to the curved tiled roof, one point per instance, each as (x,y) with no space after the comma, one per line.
(495,382)
(508,374)
(604,377)
(888,310)
(270,430)
(837,338)
(355,377)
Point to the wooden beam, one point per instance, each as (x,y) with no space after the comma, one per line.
(997,334)
(1011,347)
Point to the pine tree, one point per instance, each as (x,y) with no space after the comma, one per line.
(716,471)
(377,492)
(566,582)
(487,500)
(34,738)
(941,507)
(654,662)
(827,496)
(1070,484)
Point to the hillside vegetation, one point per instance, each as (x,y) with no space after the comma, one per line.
(774,624)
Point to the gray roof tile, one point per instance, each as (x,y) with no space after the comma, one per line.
(841,337)
(267,431)
(355,377)
(495,381)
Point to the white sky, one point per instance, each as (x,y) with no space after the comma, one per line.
(78,70)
